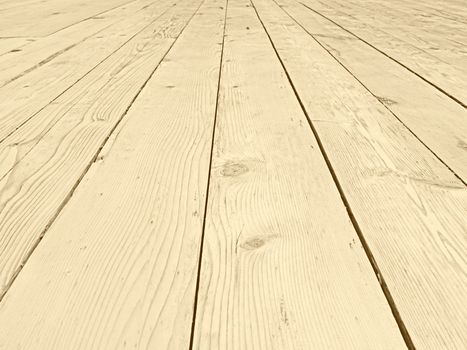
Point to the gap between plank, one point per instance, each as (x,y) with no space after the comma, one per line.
(377,271)
(200,259)
(62,51)
(85,19)
(393,59)
(367,89)
(91,162)
(68,88)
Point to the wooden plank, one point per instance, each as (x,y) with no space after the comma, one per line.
(442,39)
(61,143)
(118,267)
(46,17)
(437,120)
(445,10)
(282,266)
(445,76)
(18,63)
(410,208)
(24,97)
(9,44)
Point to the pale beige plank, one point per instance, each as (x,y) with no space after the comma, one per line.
(437,120)
(9,44)
(437,37)
(447,10)
(24,97)
(15,64)
(409,206)
(118,267)
(62,140)
(427,16)
(46,17)
(446,76)
(282,266)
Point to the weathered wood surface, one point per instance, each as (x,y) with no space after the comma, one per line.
(448,77)
(297,183)
(132,229)
(410,208)
(432,116)
(41,165)
(282,267)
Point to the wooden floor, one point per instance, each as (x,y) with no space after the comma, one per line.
(233,174)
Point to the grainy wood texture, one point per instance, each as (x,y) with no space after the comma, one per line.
(130,234)
(24,97)
(410,208)
(442,39)
(282,266)
(438,121)
(60,143)
(13,44)
(53,15)
(25,59)
(449,78)
(301,187)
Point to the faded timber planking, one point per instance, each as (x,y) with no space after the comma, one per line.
(445,76)
(60,143)
(282,267)
(118,267)
(19,62)
(409,206)
(442,39)
(23,98)
(42,18)
(438,122)
(7,45)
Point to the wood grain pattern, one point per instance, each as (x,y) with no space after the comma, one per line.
(53,15)
(16,63)
(130,234)
(444,40)
(437,120)
(410,208)
(446,76)
(60,144)
(282,266)
(7,45)
(24,97)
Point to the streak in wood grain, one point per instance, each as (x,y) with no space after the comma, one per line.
(64,201)
(200,260)
(442,90)
(366,247)
(385,102)
(25,119)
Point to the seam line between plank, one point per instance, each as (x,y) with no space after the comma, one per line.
(376,97)
(95,15)
(62,51)
(201,249)
(455,99)
(63,92)
(400,323)
(92,161)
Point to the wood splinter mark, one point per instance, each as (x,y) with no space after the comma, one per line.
(234,169)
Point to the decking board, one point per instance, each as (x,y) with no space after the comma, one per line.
(409,207)
(63,139)
(445,76)
(22,19)
(437,120)
(233,174)
(132,228)
(24,97)
(16,63)
(282,266)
